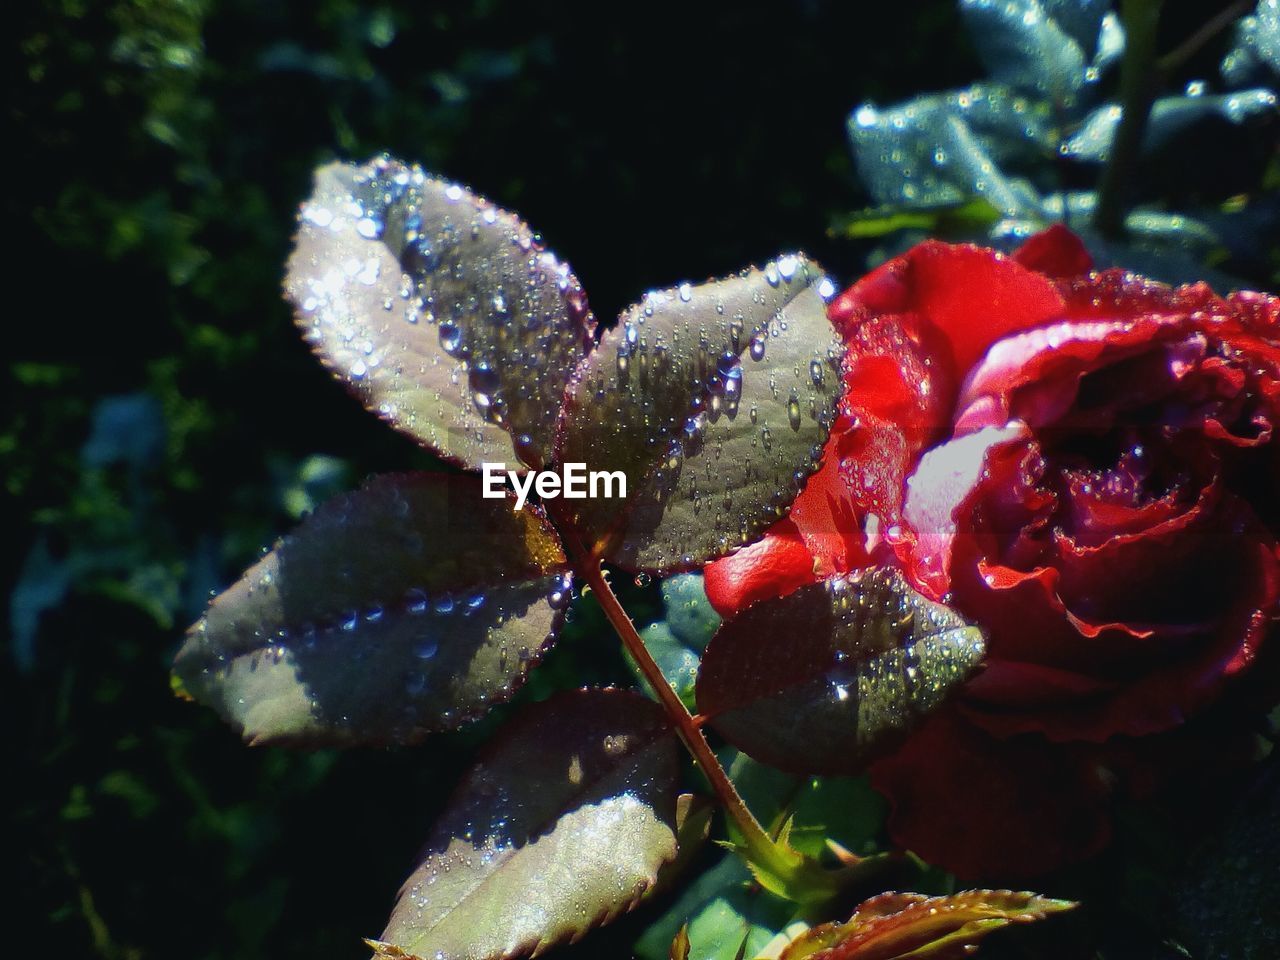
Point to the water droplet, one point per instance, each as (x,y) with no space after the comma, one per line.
(756,349)
(793,412)
(415,600)
(484,379)
(450,338)
(426,649)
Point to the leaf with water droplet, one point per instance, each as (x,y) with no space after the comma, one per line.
(716,420)
(439,310)
(898,926)
(561,826)
(409,606)
(865,658)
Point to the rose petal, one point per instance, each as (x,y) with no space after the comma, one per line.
(971,295)
(1056,252)
(773,566)
(988,809)
(946,477)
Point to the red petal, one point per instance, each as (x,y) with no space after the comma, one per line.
(771,567)
(1056,252)
(946,477)
(992,810)
(971,295)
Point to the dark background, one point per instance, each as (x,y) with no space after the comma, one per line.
(158,402)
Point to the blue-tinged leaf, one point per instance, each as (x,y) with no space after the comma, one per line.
(1084,21)
(1169,117)
(944,149)
(1024,46)
(690,616)
(1257,46)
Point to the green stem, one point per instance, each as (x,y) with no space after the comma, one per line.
(1139,82)
(760,847)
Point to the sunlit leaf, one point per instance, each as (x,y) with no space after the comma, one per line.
(563,825)
(409,606)
(821,680)
(441,311)
(909,926)
(714,402)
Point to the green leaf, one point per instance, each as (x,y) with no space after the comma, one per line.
(714,401)
(863,659)
(946,219)
(560,827)
(439,310)
(910,926)
(726,914)
(407,607)
(845,810)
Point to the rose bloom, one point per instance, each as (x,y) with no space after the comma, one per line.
(1086,465)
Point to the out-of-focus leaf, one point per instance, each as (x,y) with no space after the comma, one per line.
(439,310)
(864,657)
(562,826)
(727,916)
(126,429)
(1228,901)
(943,150)
(975,214)
(1023,45)
(677,641)
(677,661)
(690,616)
(409,606)
(1169,117)
(909,926)
(714,402)
(1084,21)
(1257,45)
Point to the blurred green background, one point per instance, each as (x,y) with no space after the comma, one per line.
(162,422)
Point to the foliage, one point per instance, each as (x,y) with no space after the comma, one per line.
(161,429)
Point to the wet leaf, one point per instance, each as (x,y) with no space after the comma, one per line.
(439,310)
(562,826)
(945,149)
(407,607)
(898,926)
(1022,44)
(1170,117)
(823,679)
(714,402)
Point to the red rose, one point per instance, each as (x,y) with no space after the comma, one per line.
(1087,465)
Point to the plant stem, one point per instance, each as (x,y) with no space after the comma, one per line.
(1139,81)
(760,847)
(1211,28)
